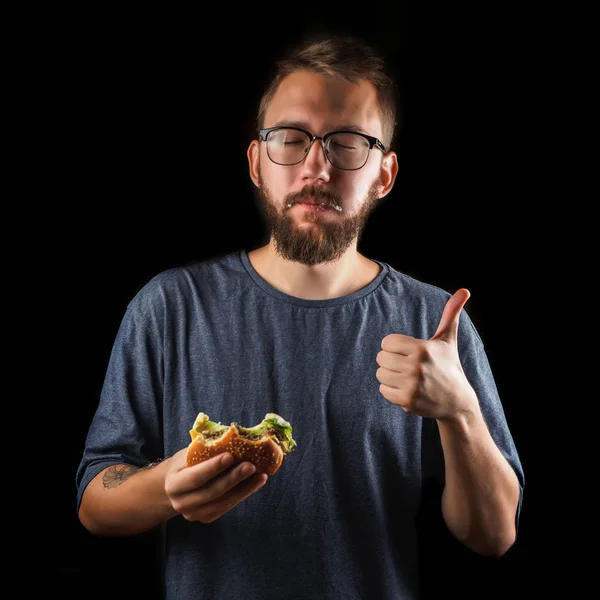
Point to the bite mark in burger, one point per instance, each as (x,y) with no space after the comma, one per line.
(266,444)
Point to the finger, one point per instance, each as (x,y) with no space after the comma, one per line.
(399,344)
(395,396)
(224,483)
(391,378)
(233,497)
(393,361)
(196,476)
(448,325)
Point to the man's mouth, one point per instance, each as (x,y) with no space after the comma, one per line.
(314,205)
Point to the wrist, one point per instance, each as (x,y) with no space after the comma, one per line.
(466,417)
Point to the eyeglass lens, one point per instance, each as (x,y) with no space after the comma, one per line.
(344,150)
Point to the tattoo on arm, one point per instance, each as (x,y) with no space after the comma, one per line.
(117,474)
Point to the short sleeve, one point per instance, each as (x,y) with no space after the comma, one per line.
(127,422)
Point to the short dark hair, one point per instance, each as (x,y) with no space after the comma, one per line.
(344,56)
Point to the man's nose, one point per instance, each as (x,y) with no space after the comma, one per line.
(316,165)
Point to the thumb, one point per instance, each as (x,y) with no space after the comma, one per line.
(448,326)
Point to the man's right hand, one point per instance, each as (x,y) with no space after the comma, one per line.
(205,491)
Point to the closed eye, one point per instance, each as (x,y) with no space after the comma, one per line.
(343,147)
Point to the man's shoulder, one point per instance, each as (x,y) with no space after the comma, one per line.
(415,287)
(417,298)
(206,275)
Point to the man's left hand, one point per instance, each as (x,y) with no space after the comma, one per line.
(425,377)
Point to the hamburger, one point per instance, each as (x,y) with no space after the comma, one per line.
(266,444)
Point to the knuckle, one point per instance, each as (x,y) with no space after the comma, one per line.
(245,470)
(424,353)
(418,370)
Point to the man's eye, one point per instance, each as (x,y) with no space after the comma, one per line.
(343,146)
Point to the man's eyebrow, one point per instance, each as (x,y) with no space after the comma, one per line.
(286,123)
(355,128)
(303,125)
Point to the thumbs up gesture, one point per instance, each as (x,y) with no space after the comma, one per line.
(425,377)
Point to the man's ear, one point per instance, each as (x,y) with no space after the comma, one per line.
(389,171)
(254,161)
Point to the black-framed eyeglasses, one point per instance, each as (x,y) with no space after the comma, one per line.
(346,150)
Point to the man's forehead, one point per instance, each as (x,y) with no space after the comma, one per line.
(304,96)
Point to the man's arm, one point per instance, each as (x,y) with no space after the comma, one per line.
(481,494)
(126,500)
(426,377)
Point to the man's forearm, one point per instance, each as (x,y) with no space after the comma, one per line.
(481,494)
(126,500)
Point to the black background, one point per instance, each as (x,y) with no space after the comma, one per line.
(155,112)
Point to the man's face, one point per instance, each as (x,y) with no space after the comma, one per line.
(314,210)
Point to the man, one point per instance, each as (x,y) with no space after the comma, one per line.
(383,378)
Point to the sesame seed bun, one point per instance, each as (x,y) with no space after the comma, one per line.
(266,454)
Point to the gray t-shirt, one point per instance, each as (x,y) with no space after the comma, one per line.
(338,520)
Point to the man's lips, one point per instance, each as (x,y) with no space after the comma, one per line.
(310,200)
(314,207)
(313,204)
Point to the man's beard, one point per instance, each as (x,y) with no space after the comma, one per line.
(324,243)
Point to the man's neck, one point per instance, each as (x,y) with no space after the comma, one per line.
(349,274)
